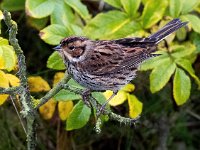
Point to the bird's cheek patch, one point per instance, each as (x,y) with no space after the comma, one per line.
(77,53)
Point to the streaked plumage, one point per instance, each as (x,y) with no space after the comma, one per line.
(108,65)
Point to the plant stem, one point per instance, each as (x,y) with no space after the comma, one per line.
(25,96)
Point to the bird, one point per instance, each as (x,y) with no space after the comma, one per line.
(100,65)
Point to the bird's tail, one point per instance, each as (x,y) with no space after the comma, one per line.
(169,28)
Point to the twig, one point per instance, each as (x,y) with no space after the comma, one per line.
(54,90)
(10,90)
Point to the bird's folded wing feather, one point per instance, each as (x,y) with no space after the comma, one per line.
(112,57)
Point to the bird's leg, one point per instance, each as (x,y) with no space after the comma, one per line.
(104,105)
(86,97)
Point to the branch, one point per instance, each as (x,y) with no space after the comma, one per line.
(25,96)
(10,90)
(54,90)
(97,105)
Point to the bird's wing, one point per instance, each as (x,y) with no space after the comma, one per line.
(111,57)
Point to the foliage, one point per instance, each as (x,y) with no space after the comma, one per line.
(56,19)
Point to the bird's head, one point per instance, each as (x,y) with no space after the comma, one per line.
(73,48)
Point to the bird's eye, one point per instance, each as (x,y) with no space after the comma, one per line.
(71,47)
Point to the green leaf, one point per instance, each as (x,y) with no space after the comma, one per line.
(52,34)
(8,56)
(99,97)
(3,41)
(79,116)
(189,5)
(196,41)
(65,95)
(187,65)
(13,5)
(62,14)
(74,84)
(80,8)
(113,24)
(194,21)
(37,23)
(181,87)
(161,75)
(182,51)
(114,3)
(55,62)
(175,7)
(153,12)
(131,6)
(135,106)
(39,8)
(154,62)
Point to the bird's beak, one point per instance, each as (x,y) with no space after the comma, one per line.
(57,48)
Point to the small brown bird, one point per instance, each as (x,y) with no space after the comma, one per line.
(110,64)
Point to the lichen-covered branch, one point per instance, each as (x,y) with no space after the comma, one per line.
(96,105)
(54,90)
(10,90)
(25,96)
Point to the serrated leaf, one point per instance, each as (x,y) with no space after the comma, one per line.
(182,51)
(38,84)
(187,65)
(175,7)
(8,56)
(47,110)
(114,24)
(64,95)
(39,8)
(131,6)
(181,87)
(194,21)
(189,5)
(154,62)
(13,5)
(55,62)
(135,106)
(80,8)
(153,12)
(114,3)
(161,75)
(79,116)
(54,33)
(62,14)
(64,109)
(118,99)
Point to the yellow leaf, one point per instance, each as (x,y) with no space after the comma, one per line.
(1,15)
(135,106)
(2,63)
(38,84)
(3,98)
(128,88)
(117,99)
(13,80)
(3,80)
(47,110)
(64,109)
(57,77)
